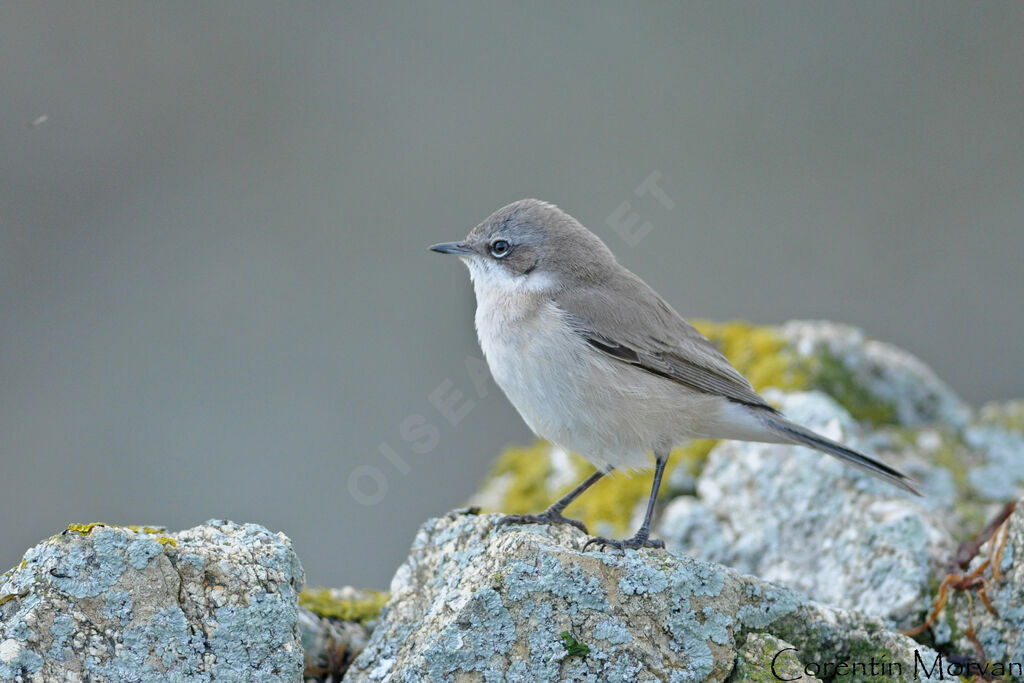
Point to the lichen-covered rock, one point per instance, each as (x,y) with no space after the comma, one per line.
(477,602)
(99,603)
(865,375)
(998,636)
(796,516)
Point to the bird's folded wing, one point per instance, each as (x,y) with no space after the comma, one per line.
(650,335)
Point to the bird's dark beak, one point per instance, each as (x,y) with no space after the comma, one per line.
(451,248)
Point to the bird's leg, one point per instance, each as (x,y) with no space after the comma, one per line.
(553,515)
(642,537)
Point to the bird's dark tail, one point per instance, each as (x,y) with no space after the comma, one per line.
(794,433)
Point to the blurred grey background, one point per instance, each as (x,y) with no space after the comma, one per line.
(215,294)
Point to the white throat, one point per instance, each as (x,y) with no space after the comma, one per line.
(496,286)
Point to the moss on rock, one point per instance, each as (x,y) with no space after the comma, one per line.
(345,604)
(829,374)
(573,647)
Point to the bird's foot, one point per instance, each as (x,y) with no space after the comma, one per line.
(641,540)
(549,516)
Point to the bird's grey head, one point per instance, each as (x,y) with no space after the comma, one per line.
(531,245)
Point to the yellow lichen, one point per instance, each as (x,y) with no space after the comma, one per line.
(163,540)
(323,602)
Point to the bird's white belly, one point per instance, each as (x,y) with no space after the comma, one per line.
(574,396)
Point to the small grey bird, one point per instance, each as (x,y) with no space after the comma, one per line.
(599,364)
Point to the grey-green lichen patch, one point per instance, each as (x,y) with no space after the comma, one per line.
(242,634)
(87,568)
(142,549)
(547,575)
(136,604)
(62,628)
(163,649)
(640,577)
(613,630)
(18,661)
(642,615)
(767,606)
(691,577)
(117,605)
(546,645)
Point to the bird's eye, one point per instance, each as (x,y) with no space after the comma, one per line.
(500,248)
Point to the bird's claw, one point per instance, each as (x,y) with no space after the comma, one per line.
(546,517)
(634,543)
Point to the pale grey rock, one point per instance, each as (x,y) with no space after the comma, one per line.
(478,602)
(792,515)
(998,436)
(887,372)
(216,602)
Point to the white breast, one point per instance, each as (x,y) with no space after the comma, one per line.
(566,391)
